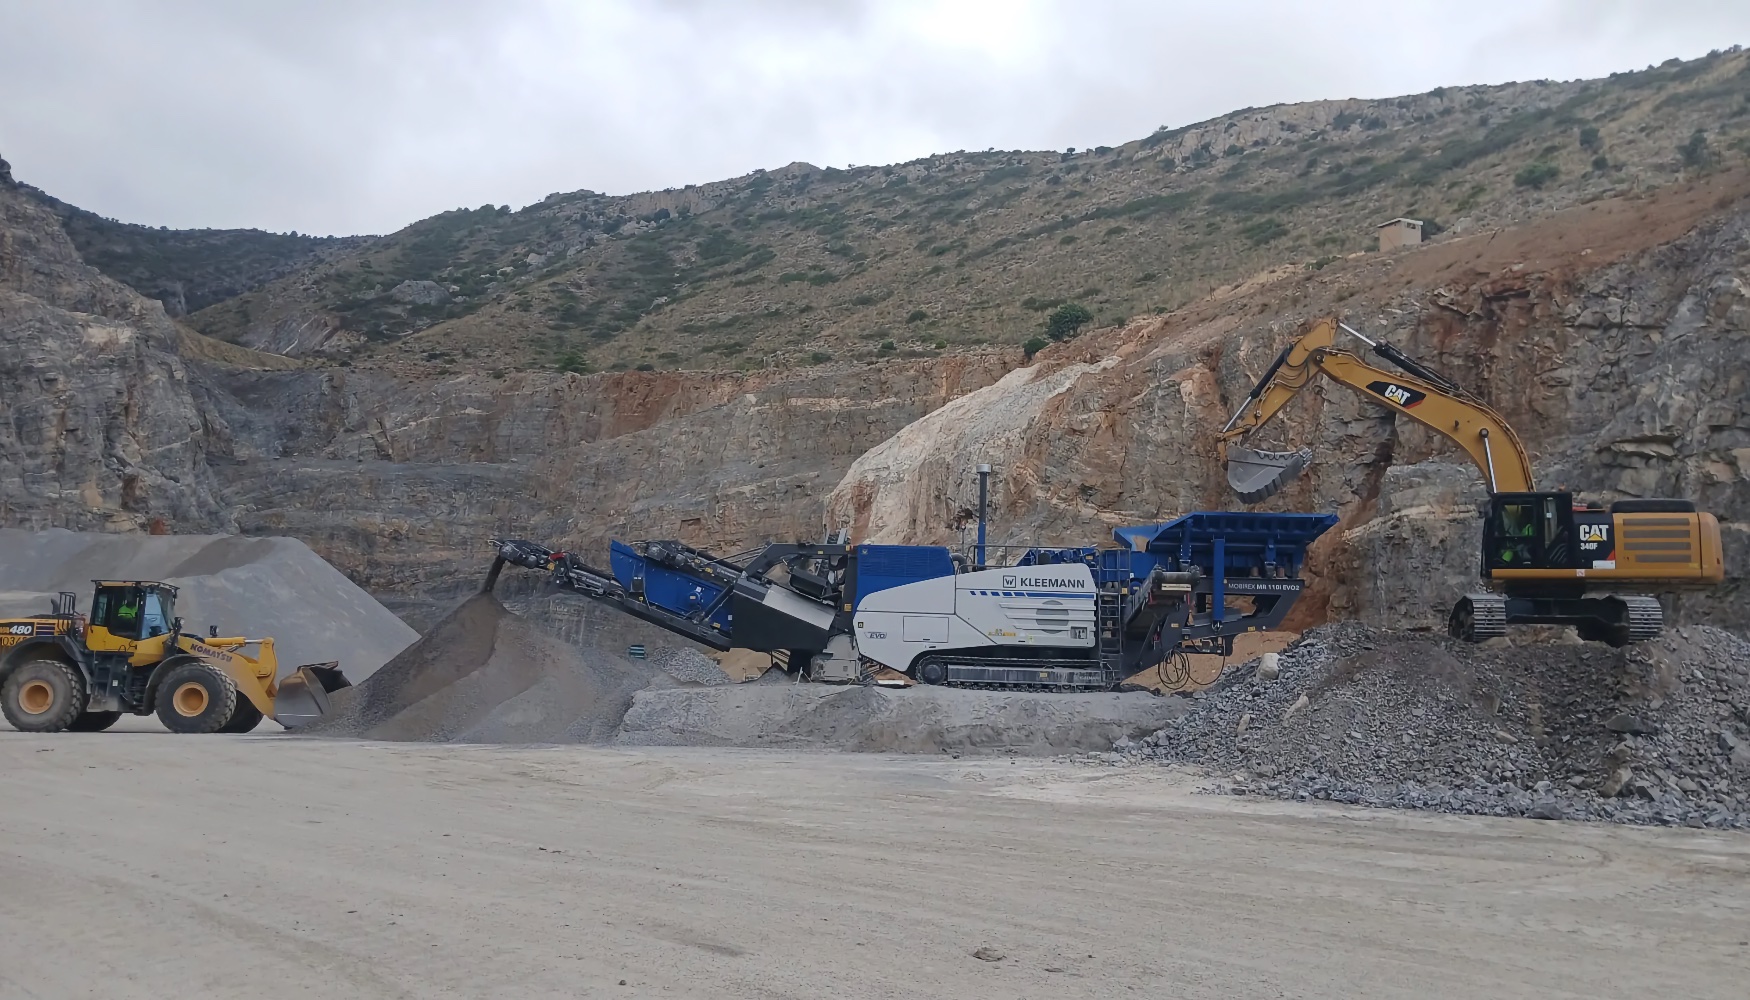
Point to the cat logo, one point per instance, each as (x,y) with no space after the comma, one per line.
(1396,394)
(1594,532)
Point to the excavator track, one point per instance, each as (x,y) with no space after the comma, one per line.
(1478,618)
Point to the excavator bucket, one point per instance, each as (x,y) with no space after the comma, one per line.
(303,696)
(1258,475)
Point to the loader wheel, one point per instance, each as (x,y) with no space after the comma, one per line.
(93,722)
(196,698)
(244,719)
(43,696)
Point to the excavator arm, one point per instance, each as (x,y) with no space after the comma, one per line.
(1415,391)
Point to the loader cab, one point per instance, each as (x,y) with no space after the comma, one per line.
(124,612)
(1528,531)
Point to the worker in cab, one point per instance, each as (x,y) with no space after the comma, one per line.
(1518,530)
(127,616)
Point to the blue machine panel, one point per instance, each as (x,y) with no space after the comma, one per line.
(883,567)
(1220,543)
(1245,542)
(666,587)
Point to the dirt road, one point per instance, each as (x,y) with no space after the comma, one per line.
(146,865)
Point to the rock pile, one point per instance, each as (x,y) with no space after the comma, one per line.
(777,712)
(1545,727)
(485,675)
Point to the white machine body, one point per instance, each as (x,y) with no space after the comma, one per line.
(1048,607)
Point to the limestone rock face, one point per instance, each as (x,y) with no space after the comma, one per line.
(422,293)
(101,428)
(402,486)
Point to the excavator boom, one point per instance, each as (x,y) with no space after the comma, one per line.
(1415,391)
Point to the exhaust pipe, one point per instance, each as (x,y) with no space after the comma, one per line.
(983,512)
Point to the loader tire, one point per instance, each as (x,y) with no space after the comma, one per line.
(93,722)
(43,696)
(244,718)
(196,698)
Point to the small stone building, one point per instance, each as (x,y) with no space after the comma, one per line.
(1400,233)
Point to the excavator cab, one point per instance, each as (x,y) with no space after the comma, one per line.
(1528,531)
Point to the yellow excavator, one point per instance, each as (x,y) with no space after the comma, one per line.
(64,672)
(1548,558)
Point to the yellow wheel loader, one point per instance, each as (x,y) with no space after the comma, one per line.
(1549,559)
(62,671)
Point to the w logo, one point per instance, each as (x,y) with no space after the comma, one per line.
(1010,582)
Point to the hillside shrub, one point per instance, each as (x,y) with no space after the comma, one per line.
(1536,175)
(1695,152)
(1067,320)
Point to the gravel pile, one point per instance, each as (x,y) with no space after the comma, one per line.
(689,666)
(483,674)
(924,719)
(1550,728)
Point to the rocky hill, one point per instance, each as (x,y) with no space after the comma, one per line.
(1607,324)
(799,265)
(187,269)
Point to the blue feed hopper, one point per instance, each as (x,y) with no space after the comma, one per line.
(1219,543)
(1226,543)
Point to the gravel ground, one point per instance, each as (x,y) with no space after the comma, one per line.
(142,866)
(1546,727)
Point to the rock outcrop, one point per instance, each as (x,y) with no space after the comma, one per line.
(102,430)
(1611,335)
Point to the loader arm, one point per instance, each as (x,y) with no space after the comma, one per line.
(1415,391)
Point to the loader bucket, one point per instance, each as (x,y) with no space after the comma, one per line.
(303,696)
(1258,475)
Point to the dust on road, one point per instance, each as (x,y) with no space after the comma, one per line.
(146,865)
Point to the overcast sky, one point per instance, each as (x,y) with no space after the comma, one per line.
(349,116)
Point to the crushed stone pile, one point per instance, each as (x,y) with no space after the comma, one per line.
(774,711)
(252,586)
(485,675)
(1657,733)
